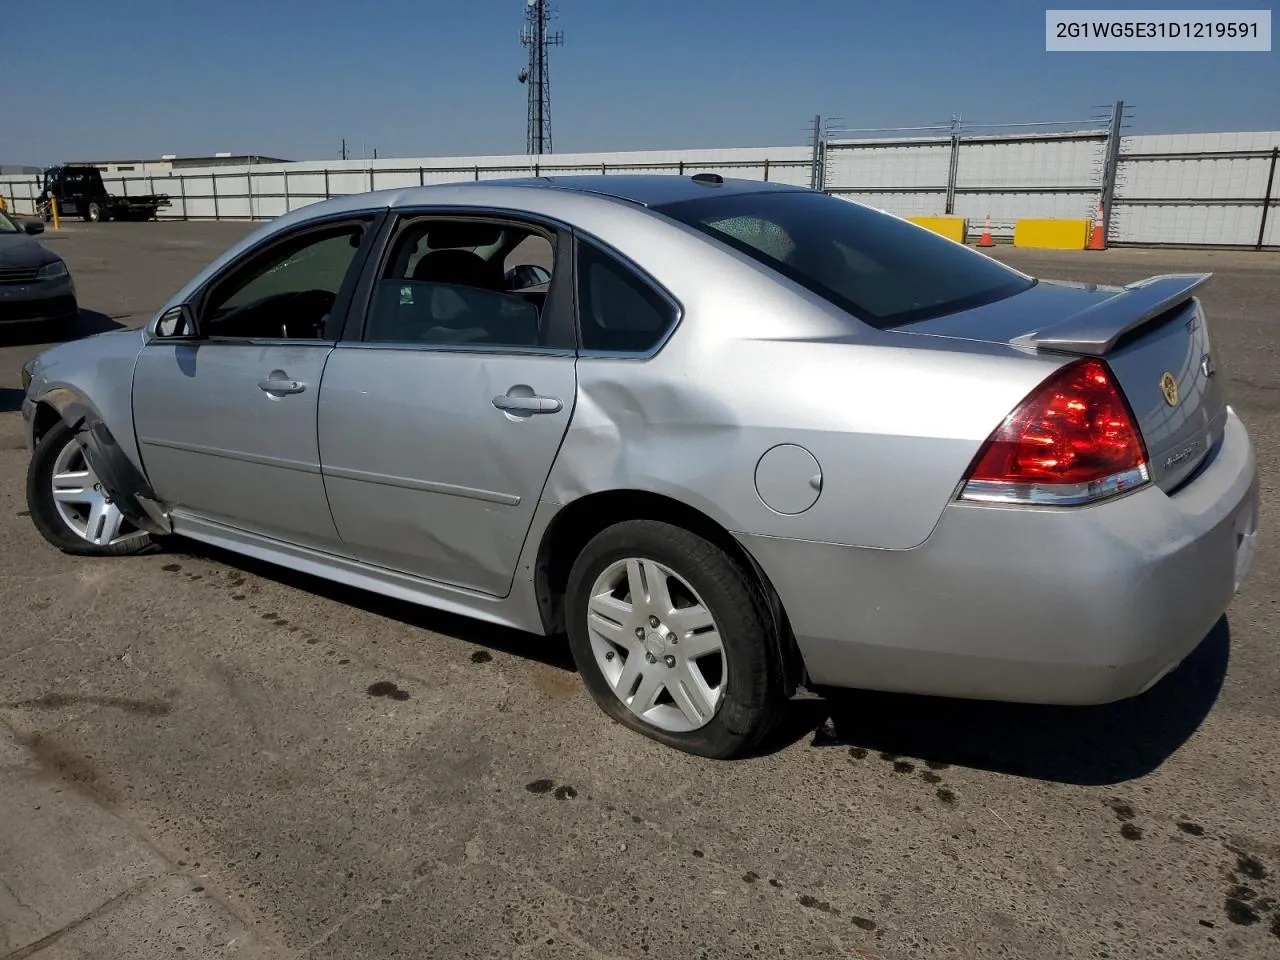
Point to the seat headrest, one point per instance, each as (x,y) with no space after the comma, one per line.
(454,266)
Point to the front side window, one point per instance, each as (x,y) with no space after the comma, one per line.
(287,291)
(463,282)
(882,270)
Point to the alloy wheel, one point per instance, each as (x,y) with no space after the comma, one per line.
(657,644)
(82,503)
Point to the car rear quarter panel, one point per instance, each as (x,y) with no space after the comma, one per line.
(893,420)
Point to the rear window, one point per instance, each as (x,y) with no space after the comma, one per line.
(884,271)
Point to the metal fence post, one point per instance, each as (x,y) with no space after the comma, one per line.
(1110,168)
(422,179)
(766,169)
(371,179)
(213,179)
(326,183)
(953,168)
(817,175)
(182,192)
(1266,200)
(286,190)
(477,171)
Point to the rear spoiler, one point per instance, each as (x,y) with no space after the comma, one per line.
(1095,331)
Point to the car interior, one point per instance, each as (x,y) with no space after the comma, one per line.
(462,282)
(444,282)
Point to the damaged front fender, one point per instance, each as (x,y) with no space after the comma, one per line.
(125,483)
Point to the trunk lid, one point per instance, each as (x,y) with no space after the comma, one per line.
(1152,334)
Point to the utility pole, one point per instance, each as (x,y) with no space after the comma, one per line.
(344,148)
(539,40)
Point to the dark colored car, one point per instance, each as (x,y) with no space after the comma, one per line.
(35,284)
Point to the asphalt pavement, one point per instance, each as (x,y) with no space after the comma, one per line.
(203,756)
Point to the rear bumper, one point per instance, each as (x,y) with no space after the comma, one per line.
(1066,606)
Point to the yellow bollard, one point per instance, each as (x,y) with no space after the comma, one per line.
(53,208)
(3,206)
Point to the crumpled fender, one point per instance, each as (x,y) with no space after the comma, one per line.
(129,489)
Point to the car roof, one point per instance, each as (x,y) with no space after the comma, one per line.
(648,190)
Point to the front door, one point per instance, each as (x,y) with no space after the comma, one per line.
(226,422)
(441,416)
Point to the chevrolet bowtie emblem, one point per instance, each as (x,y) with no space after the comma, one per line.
(1169,387)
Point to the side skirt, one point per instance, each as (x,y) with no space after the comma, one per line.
(518,610)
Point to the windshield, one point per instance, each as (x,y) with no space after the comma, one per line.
(883,270)
(7,225)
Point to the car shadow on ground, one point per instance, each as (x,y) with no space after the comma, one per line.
(553,651)
(1077,745)
(10,399)
(86,324)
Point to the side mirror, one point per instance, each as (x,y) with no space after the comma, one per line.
(527,275)
(176,323)
(32,227)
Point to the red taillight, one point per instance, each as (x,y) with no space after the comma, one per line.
(1073,440)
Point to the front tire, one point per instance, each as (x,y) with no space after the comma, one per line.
(673,639)
(69,506)
(95,212)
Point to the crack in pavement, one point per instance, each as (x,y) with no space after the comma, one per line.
(37,945)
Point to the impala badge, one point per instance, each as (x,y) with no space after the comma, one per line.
(1169,387)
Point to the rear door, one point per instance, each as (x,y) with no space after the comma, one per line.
(444,407)
(226,422)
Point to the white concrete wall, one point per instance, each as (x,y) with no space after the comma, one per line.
(1176,198)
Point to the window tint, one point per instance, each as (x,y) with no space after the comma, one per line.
(448,282)
(618,311)
(883,270)
(288,290)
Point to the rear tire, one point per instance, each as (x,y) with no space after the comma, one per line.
(95,212)
(80,522)
(718,685)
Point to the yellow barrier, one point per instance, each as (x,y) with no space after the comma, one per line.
(1051,234)
(953,228)
(2,203)
(53,210)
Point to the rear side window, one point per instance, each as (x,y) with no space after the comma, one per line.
(884,271)
(618,311)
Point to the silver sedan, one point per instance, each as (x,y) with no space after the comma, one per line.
(738,440)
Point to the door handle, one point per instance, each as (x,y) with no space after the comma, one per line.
(281,386)
(527,404)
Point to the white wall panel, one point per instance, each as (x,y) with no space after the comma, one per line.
(1031,163)
(1209,178)
(1036,175)
(901,204)
(1186,223)
(861,165)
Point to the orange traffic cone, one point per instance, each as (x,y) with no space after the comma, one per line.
(985,240)
(1096,239)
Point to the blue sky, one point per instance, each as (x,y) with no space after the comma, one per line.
(438,77)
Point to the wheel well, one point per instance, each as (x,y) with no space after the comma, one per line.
(575,525)
(46,417)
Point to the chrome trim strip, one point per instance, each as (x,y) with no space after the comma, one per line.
(504,349)
(1055,495)
(259,459)
(427,486)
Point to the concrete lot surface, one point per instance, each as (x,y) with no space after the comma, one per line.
(192,763)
